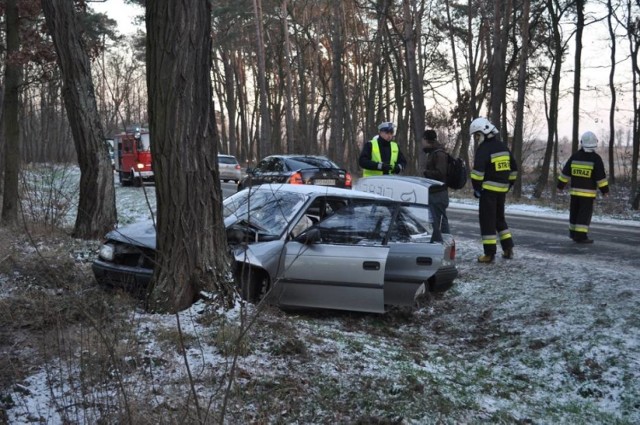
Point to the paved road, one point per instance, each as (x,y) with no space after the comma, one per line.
(619,242)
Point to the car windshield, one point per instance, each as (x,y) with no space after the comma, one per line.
(271,211)
(302,162)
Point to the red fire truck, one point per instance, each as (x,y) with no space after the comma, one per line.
(133,156)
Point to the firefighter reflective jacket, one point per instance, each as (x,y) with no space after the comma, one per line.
(494,167)
(587,175)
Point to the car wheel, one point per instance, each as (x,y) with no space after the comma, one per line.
(123,180)
(226,180)
(438,287)
(254,284)
(137,181)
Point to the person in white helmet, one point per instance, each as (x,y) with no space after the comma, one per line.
(382,155)
(585,170)
(494,172)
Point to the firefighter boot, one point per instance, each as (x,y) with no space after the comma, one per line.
(486,258)
(507,253)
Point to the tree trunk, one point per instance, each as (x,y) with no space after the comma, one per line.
(576,75)
(336,142)
(554,98)
(417,108)
(522,89)
(264,143)
(190,235)
(288,81)
(612,88)
(12,79)
(96,205)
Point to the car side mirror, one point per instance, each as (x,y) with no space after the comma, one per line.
(309,237)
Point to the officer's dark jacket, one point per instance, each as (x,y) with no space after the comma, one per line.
(494,168)
(587,174)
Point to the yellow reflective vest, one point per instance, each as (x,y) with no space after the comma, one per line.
(375,156)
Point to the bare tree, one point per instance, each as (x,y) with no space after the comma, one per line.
(577,69)
(265,120)
(96,205)
(612,88)
(11,106)
(522,87)
(411,33)
(190,235)
(337,108)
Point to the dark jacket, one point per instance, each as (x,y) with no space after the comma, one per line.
(494,167)
(436,166)
(385,153)
(587,174)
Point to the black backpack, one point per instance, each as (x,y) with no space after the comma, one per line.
(456,172)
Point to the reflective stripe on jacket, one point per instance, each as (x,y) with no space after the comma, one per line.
(586,172)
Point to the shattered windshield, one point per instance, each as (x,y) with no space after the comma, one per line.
(271,211)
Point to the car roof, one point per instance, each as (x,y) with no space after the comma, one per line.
(302,155)
(309,189)
(400,188)
(225,155)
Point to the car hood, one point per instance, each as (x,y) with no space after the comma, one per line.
(142,233)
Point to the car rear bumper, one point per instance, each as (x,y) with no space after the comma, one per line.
(443,279)
(134,279)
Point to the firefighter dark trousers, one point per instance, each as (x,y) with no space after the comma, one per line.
(580,212)
(493,225)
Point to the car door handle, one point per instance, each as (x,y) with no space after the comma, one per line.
(371,265)
(424,261)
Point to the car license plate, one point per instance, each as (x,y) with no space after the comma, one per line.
(325,182)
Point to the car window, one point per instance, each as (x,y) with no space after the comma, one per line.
(227,160)
(262,166)
(359,223)
(303,162)
(413,224)
(271,211)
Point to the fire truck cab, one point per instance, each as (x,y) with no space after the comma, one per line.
(133,156)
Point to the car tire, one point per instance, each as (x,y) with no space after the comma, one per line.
(137,181)
(226,180)
(123,180)
(254,284)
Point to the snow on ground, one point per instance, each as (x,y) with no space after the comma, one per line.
(538,339)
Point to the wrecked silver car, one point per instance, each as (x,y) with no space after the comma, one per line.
(305,246)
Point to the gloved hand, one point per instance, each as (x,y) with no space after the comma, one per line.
(397,169)
(477,193)
(384,167)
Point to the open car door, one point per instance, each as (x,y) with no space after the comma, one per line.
(339,263)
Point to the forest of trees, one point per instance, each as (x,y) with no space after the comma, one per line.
(317,77)
(298,76)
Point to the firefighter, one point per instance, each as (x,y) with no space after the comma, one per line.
(494,172)
(382,155)
(586,171)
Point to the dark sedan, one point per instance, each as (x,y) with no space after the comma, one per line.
(296,169)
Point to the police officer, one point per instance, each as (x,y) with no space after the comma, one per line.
(586,171)
(494,172)
(381,155)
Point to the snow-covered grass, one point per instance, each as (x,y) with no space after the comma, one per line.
(539,339)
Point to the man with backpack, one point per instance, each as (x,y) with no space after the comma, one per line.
(436,167)
(494,172)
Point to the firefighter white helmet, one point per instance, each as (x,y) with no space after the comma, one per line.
(589,141)
(483,126)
